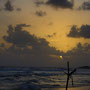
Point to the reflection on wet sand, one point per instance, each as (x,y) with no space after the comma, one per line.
(75,88)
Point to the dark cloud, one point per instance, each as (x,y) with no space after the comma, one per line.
(30,51)
(85,6)
(8,6)
(43,56)
(41,13)
(79,56)
(22,39)
(27,49)
(18,9)
(39,3)
(83,31)
(49,36)
(17,36)
(60,3)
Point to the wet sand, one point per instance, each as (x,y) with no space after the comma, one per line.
(74,88)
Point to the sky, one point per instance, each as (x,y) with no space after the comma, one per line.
(37,33)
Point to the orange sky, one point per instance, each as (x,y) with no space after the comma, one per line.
(57,21)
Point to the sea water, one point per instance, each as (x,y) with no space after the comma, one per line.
(11,78)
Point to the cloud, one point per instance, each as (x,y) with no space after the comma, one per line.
(39,3)
(27,49)
(18,9)
(22,39)
(30,51)
(83,31)
(41,13)
(49,36)
(17,36)
(79,56)
(8,6)
(85,6)
(60,3)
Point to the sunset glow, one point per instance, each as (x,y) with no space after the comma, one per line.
(44,44)
(50,27)
(61,57)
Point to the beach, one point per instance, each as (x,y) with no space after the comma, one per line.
(72,88)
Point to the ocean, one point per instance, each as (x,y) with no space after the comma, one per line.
(13,78)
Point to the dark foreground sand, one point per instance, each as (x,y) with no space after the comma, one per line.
(74,88)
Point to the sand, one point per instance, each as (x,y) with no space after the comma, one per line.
(74,88)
